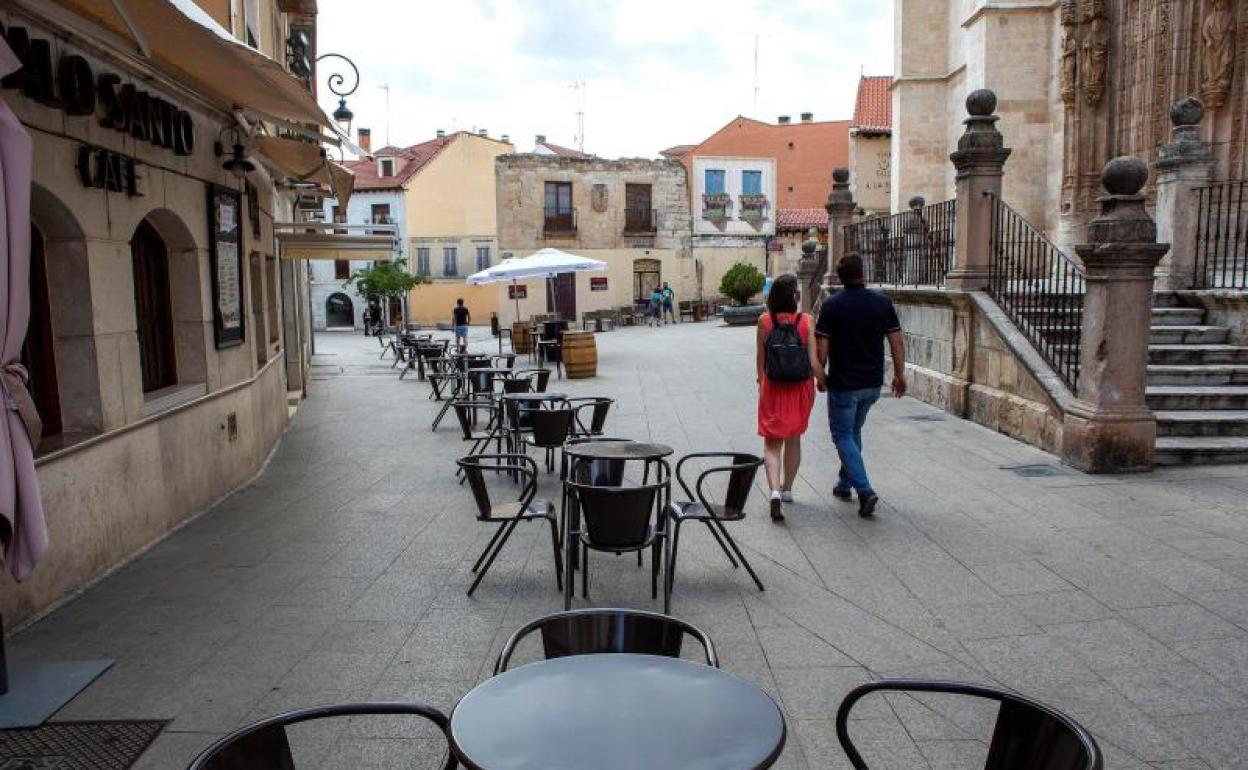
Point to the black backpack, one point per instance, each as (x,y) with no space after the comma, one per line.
(785,357)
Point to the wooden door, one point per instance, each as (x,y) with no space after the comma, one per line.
(153,309)
(38,352)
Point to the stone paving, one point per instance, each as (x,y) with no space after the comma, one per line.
(339,574)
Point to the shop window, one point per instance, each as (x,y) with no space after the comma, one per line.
(342,269)
(38,352)
(153,308)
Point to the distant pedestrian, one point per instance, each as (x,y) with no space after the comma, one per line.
(668,296)
(460,321)
(656,307)
(785,364)
(853,325)
(370,319)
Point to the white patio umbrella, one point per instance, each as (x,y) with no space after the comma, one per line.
(545,263)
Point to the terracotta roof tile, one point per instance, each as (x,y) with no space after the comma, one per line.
(408,160)
(873,109)
(566,152)
(677,151)
(801,219)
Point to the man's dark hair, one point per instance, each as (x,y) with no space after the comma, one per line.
(849,270)
(783,295)
(459,302)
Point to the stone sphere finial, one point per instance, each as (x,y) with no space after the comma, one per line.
(981,103)
(917,202)
(1187,111)
(840,175)
(1124,175)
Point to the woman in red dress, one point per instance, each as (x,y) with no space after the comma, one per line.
(783,407)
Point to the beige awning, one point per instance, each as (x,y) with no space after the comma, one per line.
(307,162)
(184,40)
(327,240)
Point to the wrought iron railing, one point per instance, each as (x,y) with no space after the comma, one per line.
(559,220)
(640,220)
(1039,288)
(1222,236)
(913,248)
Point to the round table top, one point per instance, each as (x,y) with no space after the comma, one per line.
(618,450)
(617,711)
(548,396)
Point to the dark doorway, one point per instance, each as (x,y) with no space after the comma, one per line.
(339,311)
(153,309)
(645,278)
(561,298)
(38,352)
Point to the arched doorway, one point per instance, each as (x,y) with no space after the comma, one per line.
(153,308)
(39,350)
(646,278)
(339,311)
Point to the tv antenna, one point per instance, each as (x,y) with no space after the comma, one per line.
(386,87)
(755,76)
(579,87)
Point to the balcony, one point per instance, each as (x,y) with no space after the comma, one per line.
(716,207)
(380,220)
(754,208)
(559,221)
(640,221)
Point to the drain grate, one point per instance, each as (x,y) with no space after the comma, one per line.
(113,745)
(1034,471)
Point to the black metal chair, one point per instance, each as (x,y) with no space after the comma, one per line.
(508,515)
(590,415)
(264,745)
(617,520)
(466,414)
(503,361)
(606,630)
(537,378)
(741,471)
(550,430)
(1028,734)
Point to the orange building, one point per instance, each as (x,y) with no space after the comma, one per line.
(805,154)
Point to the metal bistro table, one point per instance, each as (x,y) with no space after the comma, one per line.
(617,711)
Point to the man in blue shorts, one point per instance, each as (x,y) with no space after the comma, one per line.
(461,320)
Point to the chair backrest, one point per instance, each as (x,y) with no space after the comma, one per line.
(517,385)
(598,409)
(540,378)
(1028,734)
(616,517)
(551,427)
(476,466)
(607,630)
(504,361)
(598,472)
(741,469)
(464,413)
(264,745)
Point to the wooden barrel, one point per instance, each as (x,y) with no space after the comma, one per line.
(521,342)
(580,355)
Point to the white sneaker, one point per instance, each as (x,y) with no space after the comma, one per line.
(786,496)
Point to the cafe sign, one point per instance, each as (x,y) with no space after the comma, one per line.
(107,170)
(70,85)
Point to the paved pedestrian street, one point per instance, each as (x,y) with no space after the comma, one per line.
(340,572)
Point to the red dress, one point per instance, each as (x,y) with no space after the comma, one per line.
(784,407)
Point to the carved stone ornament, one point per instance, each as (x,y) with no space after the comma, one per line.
(598,198)
(1095,58)
(1070,51)
(1217,39)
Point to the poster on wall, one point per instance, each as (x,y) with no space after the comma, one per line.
(517,291)
(225,252)
(598,283)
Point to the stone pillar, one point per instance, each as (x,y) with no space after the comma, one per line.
(980,163)
(840,207)
(1182,165)
(807,269)
(1109,427)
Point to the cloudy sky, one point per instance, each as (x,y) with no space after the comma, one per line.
(656,72)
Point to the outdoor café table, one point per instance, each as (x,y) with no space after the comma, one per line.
(616,711)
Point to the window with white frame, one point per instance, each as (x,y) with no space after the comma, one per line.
(450,261)
(385,167)
(483,257)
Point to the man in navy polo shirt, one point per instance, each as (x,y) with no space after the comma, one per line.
(853,324)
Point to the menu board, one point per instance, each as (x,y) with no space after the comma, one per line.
(225,250)
(597,283)
(517,291)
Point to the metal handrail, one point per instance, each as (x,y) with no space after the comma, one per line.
(1222,236)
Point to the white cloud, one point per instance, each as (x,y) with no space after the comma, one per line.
(657,72)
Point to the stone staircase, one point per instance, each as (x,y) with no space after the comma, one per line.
(1197,386)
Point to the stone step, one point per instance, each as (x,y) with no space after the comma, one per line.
(1190,422)
(1198,374)
(1197,354)
(1180,397)
(1175,450)
(1178,316)
(1188,334)
(1167,298)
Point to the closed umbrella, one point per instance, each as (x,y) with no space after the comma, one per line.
(23,531)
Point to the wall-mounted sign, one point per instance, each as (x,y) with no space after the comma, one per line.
(517,291)
(107,170)
(597,283)
(72,87)
(225,251)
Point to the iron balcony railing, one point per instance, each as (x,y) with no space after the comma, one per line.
(559,220)
(912,248)
(638,220)
(1222,236)
(1039,288)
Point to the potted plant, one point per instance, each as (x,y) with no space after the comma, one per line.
(740,284)
(754,208)
(715,206)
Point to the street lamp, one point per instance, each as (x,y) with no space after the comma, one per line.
(343,115)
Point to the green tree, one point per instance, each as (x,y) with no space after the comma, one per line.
(384,280)
(742,282)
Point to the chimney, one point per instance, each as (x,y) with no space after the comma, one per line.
(541,139)
(506,138)
(482,132)
(365,139)
(784,120)
(441,134)
(808,117)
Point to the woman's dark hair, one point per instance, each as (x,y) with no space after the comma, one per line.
(783,295)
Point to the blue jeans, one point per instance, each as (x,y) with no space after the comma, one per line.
(847,413)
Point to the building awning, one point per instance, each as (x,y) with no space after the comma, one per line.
(307,162)
(330,240)
(182,39)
